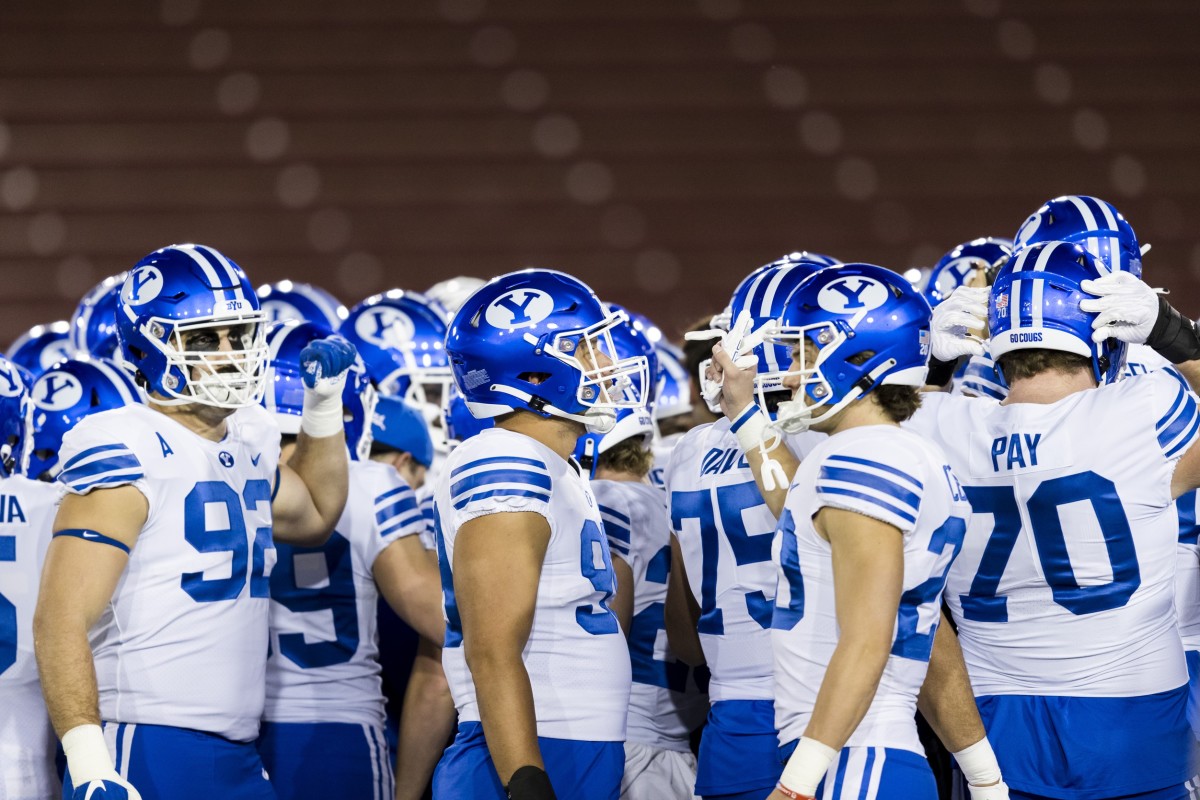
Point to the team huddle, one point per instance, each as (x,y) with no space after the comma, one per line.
(735,569)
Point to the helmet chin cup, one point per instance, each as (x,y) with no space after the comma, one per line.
(600,421)
(794,416)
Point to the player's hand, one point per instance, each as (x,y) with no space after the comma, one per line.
(996,791)
(736,380)
(324,364)
(958,324)
(112,788)
(1126,308)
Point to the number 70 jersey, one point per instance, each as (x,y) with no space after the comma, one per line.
(1065,584)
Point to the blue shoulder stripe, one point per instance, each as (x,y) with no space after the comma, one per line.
(509,460)
(406,504)
(615,525)
(1166,418)
(1187,439)
(91,451)
(462,503)
(1186,416)
(401,523)
(495,476)
(617,515)
(392,493)
(882,485)
(124,461)
(888,507)
(866,462)
(118,478)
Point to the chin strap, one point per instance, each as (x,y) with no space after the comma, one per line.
(596,421)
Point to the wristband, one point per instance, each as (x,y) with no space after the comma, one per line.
(807,766)
(1174,336)
(940,372)
(530,783)
(750,426)
(87,754)
(978,763)
(786,792)
(322,415)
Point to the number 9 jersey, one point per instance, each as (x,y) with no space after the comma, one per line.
(576,655)
(183,642)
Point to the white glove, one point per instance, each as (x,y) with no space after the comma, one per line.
(956,323)
(1126,308)
(91,766)
(739,342)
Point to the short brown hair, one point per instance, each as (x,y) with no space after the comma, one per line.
(898,402)
(630,456)
(1028,363)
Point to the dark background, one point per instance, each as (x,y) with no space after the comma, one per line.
(659,149)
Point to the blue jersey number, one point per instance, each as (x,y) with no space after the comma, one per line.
(982,604)
(213,523)
(748,548)
(643,635)
(910,643)
(8,612)
(336,594)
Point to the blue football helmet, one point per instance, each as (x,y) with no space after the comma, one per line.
(1034,304)
(762,294)
(401,337)
(963,263)
(285,397)
(16,418)
(286,300)
(726,318)
(538,340)
(171,308)
(673,395)
(845,313)
(630,342)
(1091,222)
(94,323)
(42,346)
(457,421)
(401,427)
(65,394)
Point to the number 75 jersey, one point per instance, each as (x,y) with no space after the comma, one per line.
(183,642)
(1065,584)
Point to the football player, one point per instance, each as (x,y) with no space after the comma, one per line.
(1064,590)
(536,661)
(722,582)
(665,703)
(26,512)
(323,686)
(151,625)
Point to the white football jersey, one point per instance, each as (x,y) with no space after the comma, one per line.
(324,663)
(895,476)
(665,704)
(1065,586)
(184,640)
(576,656)
(725,529)
(26,739)
(661,448)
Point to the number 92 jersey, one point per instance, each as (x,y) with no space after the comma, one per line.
(576,655)
(1065,583)
(895,476)
(184,640)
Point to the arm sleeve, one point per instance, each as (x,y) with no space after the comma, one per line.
(875,478)
(95,457)
(488,483)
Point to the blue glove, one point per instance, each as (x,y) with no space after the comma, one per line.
(106,790)
(326,360)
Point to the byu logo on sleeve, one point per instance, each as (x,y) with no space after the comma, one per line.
(853,296)
(143,285)
(57,391)
(522,308)
(385,327)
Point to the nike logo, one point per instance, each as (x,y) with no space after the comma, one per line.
(91,536)
(254,459)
